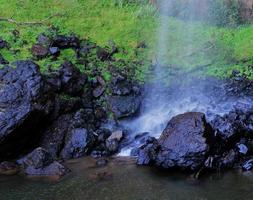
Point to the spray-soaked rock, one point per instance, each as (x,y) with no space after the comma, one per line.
(184,142)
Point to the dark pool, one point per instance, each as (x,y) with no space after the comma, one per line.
(122,180)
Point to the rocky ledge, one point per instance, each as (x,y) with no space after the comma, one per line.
(190,143)
(46,118)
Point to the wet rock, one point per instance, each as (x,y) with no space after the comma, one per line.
(118,135)
(148,152)
(76,143)
(112,145)
(3,61)
(121,86)
(39,51)
(25,103)
(185,142)
(124,106)
(53,137)
(248,165)
(8,168)
(64,42)
(243,149)
(72,80)
(3,44)
(40,163)
(54,51)
(98,91)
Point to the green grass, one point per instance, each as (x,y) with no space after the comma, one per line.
(190,44)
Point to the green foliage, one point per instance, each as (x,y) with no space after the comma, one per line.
(219,44)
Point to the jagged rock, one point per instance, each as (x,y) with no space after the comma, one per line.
(39,51)
(148,152)
(76,143)
(53,137)
(64,42)
(124,106)
(72,80)
(184,144)
(40,163)
(25,103)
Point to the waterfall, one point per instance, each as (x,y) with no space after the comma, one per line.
(162,102)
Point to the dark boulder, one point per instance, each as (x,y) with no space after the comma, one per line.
(39,51)
(72,80)
(25,103)
(64,42)
(124,106)
(98,91)
(76,143)
(40,163)
(185,142)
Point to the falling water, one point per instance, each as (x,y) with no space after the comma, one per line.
(162,102)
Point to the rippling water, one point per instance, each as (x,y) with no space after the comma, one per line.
(122,180)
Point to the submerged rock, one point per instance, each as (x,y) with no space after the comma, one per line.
(8,168)
(40,163)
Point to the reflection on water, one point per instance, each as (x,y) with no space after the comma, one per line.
(122,180)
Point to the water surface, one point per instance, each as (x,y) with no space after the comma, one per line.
(122,180)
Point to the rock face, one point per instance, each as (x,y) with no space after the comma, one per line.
(39,51)
(126,98)
(40,163)
(25,103)
(183,143)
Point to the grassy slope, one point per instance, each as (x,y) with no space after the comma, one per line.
(102,20)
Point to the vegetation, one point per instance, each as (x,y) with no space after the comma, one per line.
(213,49)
